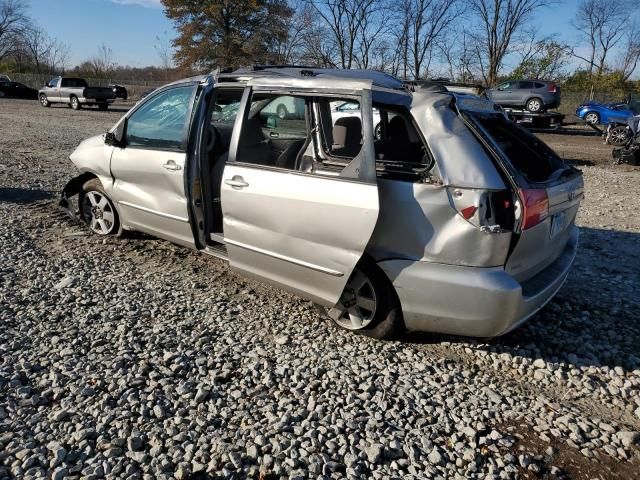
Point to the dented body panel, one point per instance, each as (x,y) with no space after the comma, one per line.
(429,229)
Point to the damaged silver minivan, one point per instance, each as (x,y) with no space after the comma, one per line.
(445,218)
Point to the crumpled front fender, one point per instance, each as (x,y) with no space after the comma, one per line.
(71,189)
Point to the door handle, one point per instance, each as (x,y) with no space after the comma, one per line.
(172,166)
(236,182)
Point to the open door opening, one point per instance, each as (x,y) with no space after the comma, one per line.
(217,133)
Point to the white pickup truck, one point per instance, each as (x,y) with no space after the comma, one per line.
(75,92)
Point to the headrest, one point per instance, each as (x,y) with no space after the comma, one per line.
(347,131)
(252,131)
(397,129)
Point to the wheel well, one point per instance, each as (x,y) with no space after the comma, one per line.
(75,184)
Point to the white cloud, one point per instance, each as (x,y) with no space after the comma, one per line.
(142,3)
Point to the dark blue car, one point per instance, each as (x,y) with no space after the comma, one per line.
(594,113)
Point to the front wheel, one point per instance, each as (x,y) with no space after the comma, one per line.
(535,105)
(369,304)
(592,118)
(44,101)
(97,210)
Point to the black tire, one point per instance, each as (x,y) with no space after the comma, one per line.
(592,118)
(535,105)
(618,136)
(377,132)
(74,103)
(92,212)
(282,111)
(44,101)
(103,106)
(387,320)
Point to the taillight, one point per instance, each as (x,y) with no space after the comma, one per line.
(535,207)
(552,88)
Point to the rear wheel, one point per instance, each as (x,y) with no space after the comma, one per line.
(592,118)
(97,210)
(369,304)
(44,101)
(75,103)
(535,105)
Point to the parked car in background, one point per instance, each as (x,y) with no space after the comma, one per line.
(352,109)
(17,90)
(75,92)
(286,108)
(120,91)
(595,113)
(532,95)
(456,220)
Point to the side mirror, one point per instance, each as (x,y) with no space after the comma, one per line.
(117,137)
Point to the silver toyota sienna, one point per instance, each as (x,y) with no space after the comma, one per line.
(440,215)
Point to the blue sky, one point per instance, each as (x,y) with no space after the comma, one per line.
(130,27)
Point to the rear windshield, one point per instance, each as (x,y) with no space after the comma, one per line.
(530,156)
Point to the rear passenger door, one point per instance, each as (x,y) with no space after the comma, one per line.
(297,227)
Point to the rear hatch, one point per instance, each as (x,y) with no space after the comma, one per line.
(547,191)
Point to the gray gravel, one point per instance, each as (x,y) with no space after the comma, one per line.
(135,358)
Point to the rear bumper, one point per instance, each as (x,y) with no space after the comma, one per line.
(471,301)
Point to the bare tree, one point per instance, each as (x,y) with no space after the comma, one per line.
(373,27)
(429,20)
(102,63)
(163,49)
(499,22)
(458,57)
(13,21)
(344,20)
(630,52)
(58,58)
(289,50)
(602,23)
(37,44)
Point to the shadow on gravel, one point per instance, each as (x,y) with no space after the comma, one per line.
(23,196)
(580,163)
(593,319)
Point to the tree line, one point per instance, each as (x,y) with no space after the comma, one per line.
(481,41)
(463,40)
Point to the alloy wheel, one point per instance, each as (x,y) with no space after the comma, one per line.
(358,304)
(98,213)
(618,136)
(534,105)
(591,118)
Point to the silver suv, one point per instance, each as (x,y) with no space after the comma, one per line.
(452,219)
(533,95)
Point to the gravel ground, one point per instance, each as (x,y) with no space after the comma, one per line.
(135,358)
